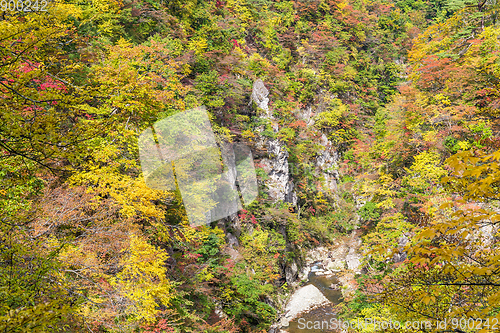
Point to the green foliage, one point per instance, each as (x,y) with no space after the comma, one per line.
(212,92)
(251,294)
(369,211)
(286,134)
(452,144)
(386,236)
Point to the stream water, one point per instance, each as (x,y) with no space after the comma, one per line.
(325,313)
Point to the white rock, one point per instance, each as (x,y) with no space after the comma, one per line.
(336,266)
(327,163)
(303,300)
(279,182)
(353,261)
(304,273)
(259,95)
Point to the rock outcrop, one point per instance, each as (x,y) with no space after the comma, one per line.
(303,300)
(259,95)
(279,182)
(327,164)
(344,256)
(326,160)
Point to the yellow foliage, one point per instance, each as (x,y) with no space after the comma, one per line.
(257,58)
(341,5)
(205,275)
(331,117)
(260,250)
(109,175)
(143,280)
(434,39)
(443,99)
(366,322)
(106,6)
(131,193)
(464,145)
(66,10)
(320,199)
(456,256)
(242,10)
(385,190)
(198,45)
(247,134)
(200,233)
(424,171)
(430,136)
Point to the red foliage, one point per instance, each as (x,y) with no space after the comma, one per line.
(161,327)
(435,72)
(230,264)
(223,78)
(235,43)
(298,124)
(243,214)
(190,255)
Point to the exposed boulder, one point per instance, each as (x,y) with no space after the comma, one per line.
(303,300)
(353,260)
(232,241)
(306,115)
(336,265)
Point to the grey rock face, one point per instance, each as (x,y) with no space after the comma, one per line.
(488,234)
(218,311)
(280,180)
(353,260)
(259,95)
(401,255)
(279,183)
(344,257)
(232,241)
(306,115)
(327,163)
(291,272)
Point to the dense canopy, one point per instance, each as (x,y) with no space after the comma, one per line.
(379,116)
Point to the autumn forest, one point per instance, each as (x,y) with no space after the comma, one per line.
(376,120)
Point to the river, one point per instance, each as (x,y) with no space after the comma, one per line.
(325,313)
